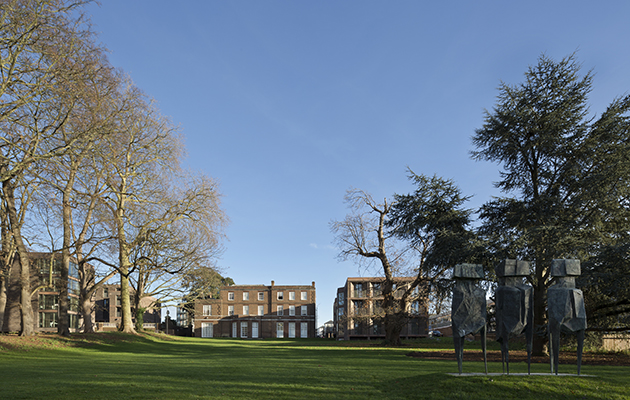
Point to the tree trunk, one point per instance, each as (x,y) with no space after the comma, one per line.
(87,308)
(3,297)
(64,320)
(26,309)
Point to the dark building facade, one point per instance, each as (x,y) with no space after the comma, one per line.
(45,279)
(108,308)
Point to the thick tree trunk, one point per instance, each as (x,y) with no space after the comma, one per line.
(126,324)
(26,309)
(87,308)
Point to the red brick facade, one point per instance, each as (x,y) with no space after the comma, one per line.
(258,311)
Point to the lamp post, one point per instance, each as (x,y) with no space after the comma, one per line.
(167,318)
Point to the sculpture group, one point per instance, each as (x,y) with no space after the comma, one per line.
(514,308)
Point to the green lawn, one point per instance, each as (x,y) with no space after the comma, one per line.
(149,367)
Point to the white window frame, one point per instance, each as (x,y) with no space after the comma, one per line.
(230,296)
(304,296)
(280,295)
(207,310)
(261,310)
(206,329)
(280,329)
(291,329)
(261,296)
(304,329)
(292,310)
(245,296)
(245,310)
(304,310)
(280,310)
(291,296)
(230,310)
(244,329)
(254,330)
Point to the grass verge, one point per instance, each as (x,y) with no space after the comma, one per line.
(153,366)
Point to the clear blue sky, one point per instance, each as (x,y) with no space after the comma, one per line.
(289,103)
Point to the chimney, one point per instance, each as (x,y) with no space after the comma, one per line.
(313,283)
(272,283)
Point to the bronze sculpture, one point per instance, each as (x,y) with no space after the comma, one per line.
(565,307)
(514,308)
(468,313)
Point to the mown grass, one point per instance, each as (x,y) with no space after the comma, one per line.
(152,367)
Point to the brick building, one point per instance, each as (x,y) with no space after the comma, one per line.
(358,302)
(258,311)
(108,310)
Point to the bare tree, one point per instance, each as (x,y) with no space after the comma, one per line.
(44,50)
(363,236)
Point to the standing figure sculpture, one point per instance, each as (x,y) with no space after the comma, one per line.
(468,313)
(565,307)
(514,308)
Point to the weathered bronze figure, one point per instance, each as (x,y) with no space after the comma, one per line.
(514,308)
(565,307)
(468,313)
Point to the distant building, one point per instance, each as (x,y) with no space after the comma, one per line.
(45,279)
(108,308)
(257,311)
(356,305)
(326,330)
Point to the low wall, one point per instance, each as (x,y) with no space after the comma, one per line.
(616,342)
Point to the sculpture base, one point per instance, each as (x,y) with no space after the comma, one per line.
(518,374)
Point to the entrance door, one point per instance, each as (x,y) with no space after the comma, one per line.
(280,330)
(255,330)
(206,329)
(234,330)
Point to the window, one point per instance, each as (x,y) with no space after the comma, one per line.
(118,300)
(48,301)
(118,312)
(280,296)
(304,310)
(376,289)
(230,296)
(207,309)
(342,297)
(261,296)
(303,330)
(304,296)
(73,287)
(415,307)
(340,311)
(230,310)
(292,296)
(245,296)
(73,270)
(105,292)
(280,310)
(261,310)
(244,332)
(291,329)
(291,310)
(47,320)
(358,290)
(245,310)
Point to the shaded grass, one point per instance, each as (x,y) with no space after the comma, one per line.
(149,367)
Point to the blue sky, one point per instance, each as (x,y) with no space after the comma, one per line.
(290,103)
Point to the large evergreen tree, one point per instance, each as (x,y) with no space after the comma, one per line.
(564,173)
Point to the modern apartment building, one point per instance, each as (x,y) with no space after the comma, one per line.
(357,306)
(45,279)
(258,311)
(108,309)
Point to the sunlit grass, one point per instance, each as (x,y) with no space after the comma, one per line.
(149,367)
